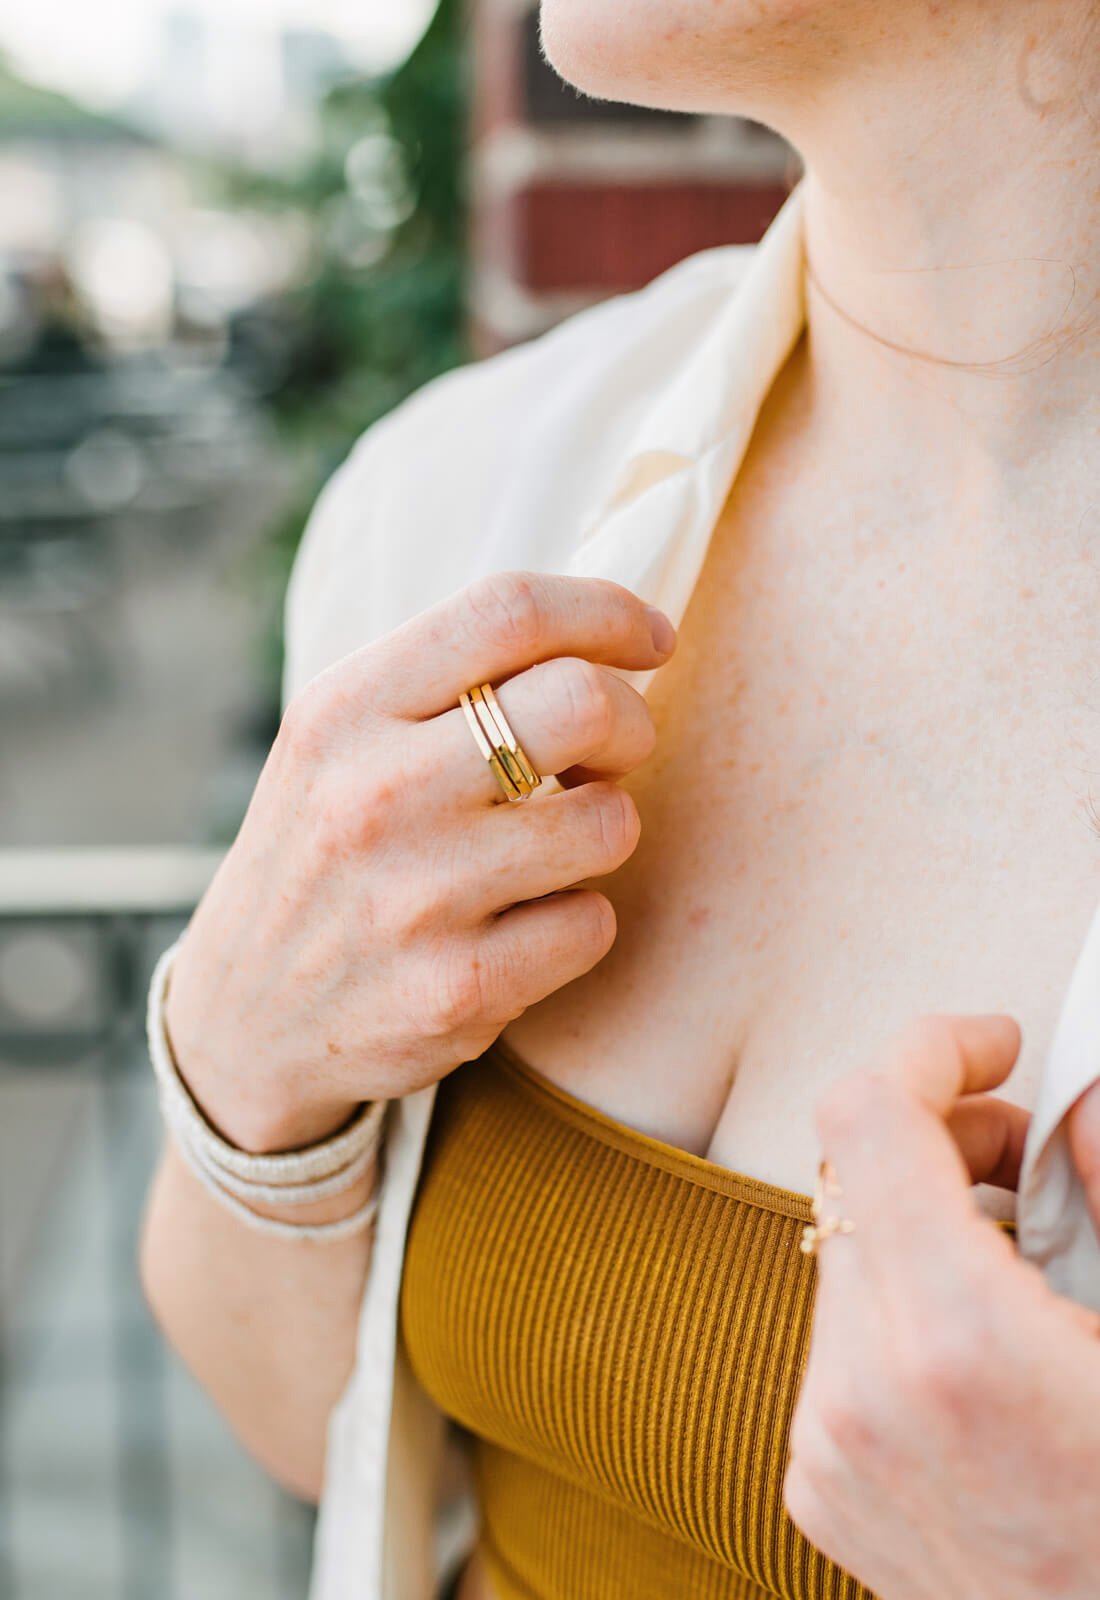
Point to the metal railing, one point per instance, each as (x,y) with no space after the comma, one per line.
(117,1479)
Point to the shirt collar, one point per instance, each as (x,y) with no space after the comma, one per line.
(721,386)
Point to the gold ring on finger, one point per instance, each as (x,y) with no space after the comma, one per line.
(497,742)
(823,1227)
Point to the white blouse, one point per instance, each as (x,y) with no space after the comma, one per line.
(606,448)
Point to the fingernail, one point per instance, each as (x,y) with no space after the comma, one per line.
(662,631)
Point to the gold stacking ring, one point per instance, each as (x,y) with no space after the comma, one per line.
(497,743)
(824,1227)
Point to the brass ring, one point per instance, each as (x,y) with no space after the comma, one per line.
(498,744)
(823,1227)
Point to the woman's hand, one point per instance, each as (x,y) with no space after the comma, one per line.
(947,1440)
(380,917)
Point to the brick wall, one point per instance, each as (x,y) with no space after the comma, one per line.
(577,199)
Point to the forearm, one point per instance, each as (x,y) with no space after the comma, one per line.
(267,1325)
(375,923)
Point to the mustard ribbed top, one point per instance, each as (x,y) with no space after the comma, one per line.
(622,1327)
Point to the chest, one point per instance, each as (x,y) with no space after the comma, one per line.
(870,799)
(657,1442)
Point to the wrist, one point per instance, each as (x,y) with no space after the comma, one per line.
(256,1118)
(255,1125)
(259,1187)
(331,1209)
(322,1213)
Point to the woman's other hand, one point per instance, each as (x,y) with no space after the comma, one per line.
(383,913)
(947,1438)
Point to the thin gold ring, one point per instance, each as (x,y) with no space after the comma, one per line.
(497,742)
(823,1227)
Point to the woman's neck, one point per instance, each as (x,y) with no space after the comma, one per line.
(953,211)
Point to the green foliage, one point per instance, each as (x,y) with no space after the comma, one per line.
(378,327)
(29,111)
(383,311)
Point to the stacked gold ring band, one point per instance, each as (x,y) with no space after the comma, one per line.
(497,743)
(824,1227)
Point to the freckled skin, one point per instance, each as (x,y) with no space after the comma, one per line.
(691,55)
(870,797)
(871,805)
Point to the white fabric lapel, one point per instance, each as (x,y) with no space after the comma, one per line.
(653,534)
(1054,1226)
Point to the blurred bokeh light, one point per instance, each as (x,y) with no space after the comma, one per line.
(234,234)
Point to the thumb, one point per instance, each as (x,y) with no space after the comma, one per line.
(1084,1144)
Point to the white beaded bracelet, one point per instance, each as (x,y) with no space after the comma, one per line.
(330,1232)
(233,1176)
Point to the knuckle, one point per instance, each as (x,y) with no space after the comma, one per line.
(814,1471)
(581,927)
(353,813)
(854,1428)
(372,803)
(507,612)
(332,701)
(458,987)
(624,609)
(932,1035)
(874,1092)
(586,695)
(801,1498)
(802,1441)
(326,727)
(331,825)
(650,732)
(846,1106)
(942,1373)
(305,721)
(615,820)
(596,923)
(415,912)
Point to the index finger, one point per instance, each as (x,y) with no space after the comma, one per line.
(500,625)
(886,1133)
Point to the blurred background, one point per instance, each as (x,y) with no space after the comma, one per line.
(232,235)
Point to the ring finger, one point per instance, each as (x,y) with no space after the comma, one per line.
(565,713)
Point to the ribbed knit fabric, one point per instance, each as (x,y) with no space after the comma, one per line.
(622,1326)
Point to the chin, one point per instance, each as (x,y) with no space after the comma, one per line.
(736,57)
(603,49)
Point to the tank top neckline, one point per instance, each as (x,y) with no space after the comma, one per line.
(699,1170)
